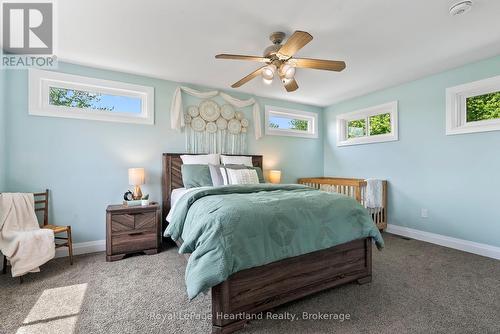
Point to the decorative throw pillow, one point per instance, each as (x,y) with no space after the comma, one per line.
(216,175)
(196,176)
(242,176)
(218,172)
(200,159)
(236,160)
(260,174)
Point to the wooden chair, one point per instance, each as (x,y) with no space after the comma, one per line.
(42,205)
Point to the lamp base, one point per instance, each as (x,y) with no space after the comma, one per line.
(137,193)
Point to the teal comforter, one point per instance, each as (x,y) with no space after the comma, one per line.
(230,228)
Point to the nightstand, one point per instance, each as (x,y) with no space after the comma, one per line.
(132,230)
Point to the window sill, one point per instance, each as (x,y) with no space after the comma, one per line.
(484,126)
(271,132)
(368,140)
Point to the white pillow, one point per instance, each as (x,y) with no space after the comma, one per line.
(236,160)
(241,176)
(201,159)
(224,176)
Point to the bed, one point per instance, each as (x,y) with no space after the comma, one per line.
(263,287)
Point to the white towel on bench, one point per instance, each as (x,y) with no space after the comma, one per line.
(22,241)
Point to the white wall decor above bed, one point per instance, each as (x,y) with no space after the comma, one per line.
(177,122)
(211,128)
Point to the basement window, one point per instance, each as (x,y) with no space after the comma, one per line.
(473,107)
(289,122)
(72,96)
(371,125)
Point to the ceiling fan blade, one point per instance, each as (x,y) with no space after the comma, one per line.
(242,57)
(247,78)
(318,64)
(296,42)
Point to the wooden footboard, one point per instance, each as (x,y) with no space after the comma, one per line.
(261,288)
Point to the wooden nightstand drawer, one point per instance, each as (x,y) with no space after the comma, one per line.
(136,221)
(132,242)
(131,230)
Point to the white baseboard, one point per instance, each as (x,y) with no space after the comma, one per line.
(438,239)
(83,248)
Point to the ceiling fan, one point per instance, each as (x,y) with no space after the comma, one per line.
(279,60)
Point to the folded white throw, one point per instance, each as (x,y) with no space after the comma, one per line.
(373,193)
(22,241)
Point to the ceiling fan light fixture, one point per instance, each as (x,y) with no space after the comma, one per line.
(279,60)
(268,72)
(288,71)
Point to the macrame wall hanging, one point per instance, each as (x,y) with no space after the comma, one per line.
(177,109)
(211,128)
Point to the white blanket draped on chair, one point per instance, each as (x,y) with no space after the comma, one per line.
(22,241)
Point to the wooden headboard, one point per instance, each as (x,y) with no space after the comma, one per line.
(171,177)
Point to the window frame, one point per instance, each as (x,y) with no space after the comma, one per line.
(386,108)
(456,107)
(41,81)
(311,117)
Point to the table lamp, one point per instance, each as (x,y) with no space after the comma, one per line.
(136,178)
(275,176)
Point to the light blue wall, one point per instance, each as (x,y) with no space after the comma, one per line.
(457,178)
(85,163)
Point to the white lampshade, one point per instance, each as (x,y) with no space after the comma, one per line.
(288,71)
(135,176)
(275,176)
(267,81)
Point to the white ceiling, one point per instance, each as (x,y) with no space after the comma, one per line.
(383,42)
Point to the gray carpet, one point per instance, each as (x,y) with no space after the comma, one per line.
(417,288)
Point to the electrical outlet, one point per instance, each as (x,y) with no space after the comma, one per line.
(424,213)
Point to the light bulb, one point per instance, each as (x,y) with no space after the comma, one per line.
(267,81)
(288,71)
(268,72)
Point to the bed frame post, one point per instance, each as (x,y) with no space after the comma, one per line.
(368,261)
(221,305)
(166,178)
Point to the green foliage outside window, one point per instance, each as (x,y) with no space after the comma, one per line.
(483,107)
(75,98)
(356,128)
(293,124)
(380,124)
(298,124)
